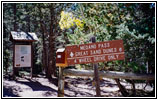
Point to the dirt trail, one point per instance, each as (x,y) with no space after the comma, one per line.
(74,87)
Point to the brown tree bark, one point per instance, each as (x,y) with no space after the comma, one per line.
(52,51)
(15,70)
(49,49)
(44,53)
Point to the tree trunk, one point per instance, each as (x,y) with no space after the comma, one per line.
(28,19)
(15,29)
(15,25)
(44,53)
(51,66)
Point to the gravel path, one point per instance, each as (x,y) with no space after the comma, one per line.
(74,87)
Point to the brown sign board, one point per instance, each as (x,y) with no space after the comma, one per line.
(95,52)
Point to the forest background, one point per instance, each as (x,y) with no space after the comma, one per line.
(60,24)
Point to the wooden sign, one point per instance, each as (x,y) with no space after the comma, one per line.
(61,58)
(22,56)
(95,52)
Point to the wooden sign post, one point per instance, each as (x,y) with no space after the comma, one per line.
(93,53)
(61,83)
(88,53)
(96,75)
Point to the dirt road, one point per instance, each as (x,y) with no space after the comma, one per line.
(74,87)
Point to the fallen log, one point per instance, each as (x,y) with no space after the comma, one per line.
(109,74)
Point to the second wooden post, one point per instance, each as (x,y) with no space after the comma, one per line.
(61,83)
(96,75)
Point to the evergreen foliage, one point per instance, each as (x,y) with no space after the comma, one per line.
(59,25)
(133,23)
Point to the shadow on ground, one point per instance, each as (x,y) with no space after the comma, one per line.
(36,86)
(8,92)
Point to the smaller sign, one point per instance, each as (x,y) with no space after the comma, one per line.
(61,58)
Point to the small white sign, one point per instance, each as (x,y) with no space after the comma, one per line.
(58,56)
